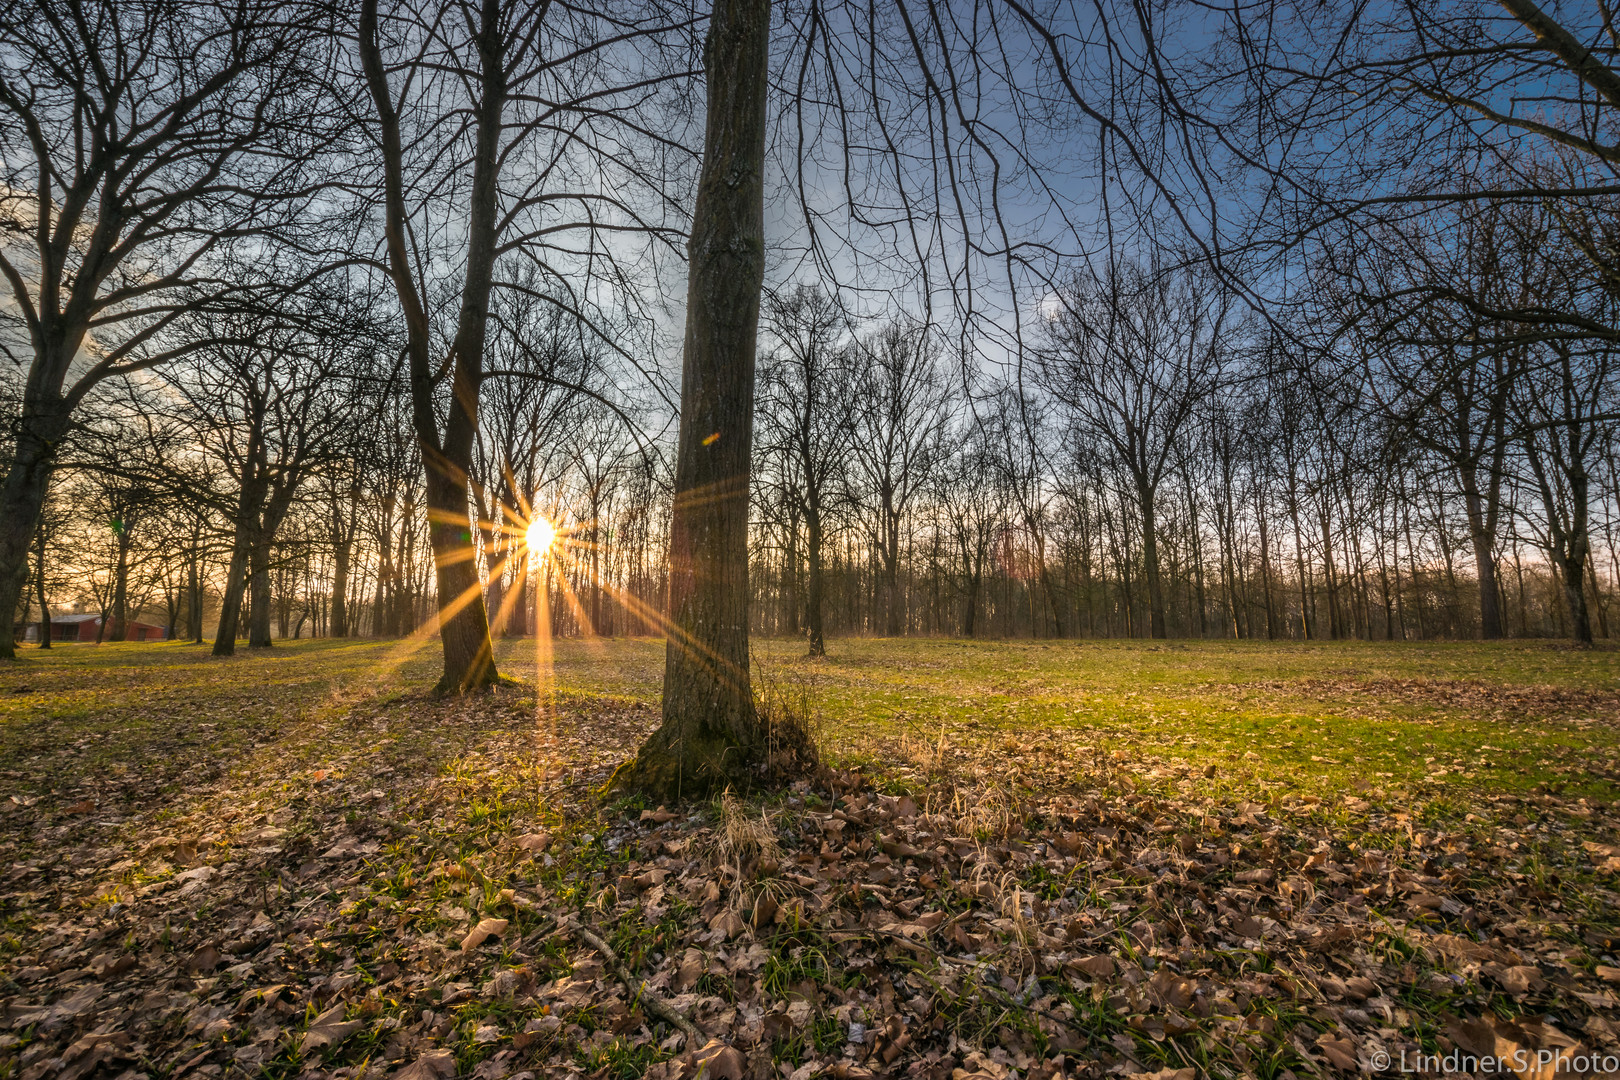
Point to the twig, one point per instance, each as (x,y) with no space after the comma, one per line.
(533,937)
(651,1002)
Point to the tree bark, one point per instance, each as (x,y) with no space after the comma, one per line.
(1484,541)
(815,583)
(259,594)
(194,594)
(710,736)
(230,604)
(1150,565)
(39,434)
(120,601)
(342,556)
(39,583)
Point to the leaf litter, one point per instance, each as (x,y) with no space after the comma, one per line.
(362,908)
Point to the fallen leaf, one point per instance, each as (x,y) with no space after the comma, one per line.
(486,929)
(329,1029)
(717,1061)
(431,1065)
(1097,967)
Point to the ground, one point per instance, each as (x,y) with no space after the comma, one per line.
(1023,858)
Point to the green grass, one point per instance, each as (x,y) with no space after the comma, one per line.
(1319,716)
(1446,719)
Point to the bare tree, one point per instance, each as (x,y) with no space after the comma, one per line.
(1133,351)
(806,405)
(140,143)
(901,408)
(504,128)
(1558,406)
(271,402)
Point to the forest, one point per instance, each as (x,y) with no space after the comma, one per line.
(1407,433)
(974,540)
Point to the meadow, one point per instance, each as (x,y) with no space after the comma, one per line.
(1081,857)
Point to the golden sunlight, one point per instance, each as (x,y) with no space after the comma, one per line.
(540,535)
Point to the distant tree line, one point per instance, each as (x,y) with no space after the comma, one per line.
(312,308)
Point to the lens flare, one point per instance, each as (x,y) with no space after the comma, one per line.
(540,535)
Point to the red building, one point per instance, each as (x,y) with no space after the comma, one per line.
(83,627)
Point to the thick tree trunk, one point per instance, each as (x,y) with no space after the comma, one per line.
(1049,590)
(342,554)
(469,656)
(1490,597)
(259,603)
(710,736)
(891,592)
(1573,572)
(230,604)
(28,479)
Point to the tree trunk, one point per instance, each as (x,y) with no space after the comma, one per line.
(194,597)
(342,553)
(259,595)
(230,604)
(1265,569)
(891,578)
(1330,573)
(120,599)
(1490,598)
(710,736)
(1299,565)
(1150,566)
(469,656)
(815,584)
(1573,567)
(40,430)
(971,606)
(39,584)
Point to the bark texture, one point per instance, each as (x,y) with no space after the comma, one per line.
(711,736)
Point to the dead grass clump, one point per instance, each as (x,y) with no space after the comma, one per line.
(982,814)
(744,838)
(785,704)
(750,857)
(924,753)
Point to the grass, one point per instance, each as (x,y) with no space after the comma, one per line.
(1451,718)
(1446,719)
(105,748)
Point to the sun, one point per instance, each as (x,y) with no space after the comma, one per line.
(541,533)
